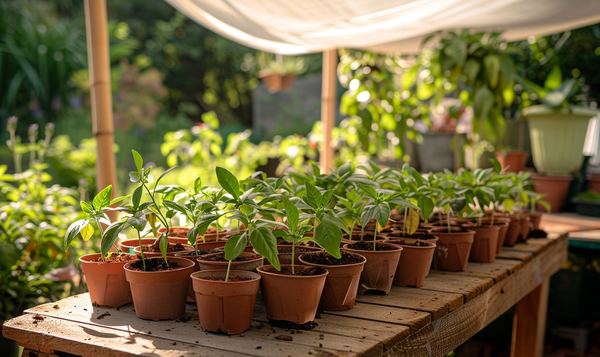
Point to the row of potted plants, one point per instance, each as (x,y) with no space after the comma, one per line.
(325,238)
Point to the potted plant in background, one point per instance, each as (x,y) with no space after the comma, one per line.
(555,121)
(278,72)
(104,272)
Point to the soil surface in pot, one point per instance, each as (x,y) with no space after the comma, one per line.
(366,237)
(538,233)
(369,246)
(296,250)
(192,253)
(300,270)
(155,264)
(177,247)
(221,258)
(412,244)
(325,258)
(222,278)
(422,236)
(116,258)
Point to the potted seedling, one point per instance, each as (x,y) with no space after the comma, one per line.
(159,286)
(350,208)
(104,272)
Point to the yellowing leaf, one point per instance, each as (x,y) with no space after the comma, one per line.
(412,221)
(87,232)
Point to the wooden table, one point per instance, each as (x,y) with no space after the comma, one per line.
(428,321)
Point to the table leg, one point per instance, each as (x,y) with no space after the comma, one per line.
(529,324)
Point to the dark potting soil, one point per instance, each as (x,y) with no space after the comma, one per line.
(116,258)
(411,243)
(221,258)
(153,264)
(294,326)
(455,229)
(369,246)
(192,253)
(325,258)
(538,233)
(299,269)
(366,237)
(177,247)
(222,278)
(423,236)
(296,250)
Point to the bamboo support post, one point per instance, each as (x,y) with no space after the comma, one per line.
(330,60)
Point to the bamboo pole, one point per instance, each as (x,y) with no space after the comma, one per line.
(100,92)
(330,61)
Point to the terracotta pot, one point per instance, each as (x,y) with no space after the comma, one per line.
(186,248)
(210,245)
(485,244)
(271,80)
(513,231)
(380,269)
(396,236)
(556,187)
(106,281)
(414,264)
(501,222)
(249,265)
(512,160)
(341,285)
(128,245)
(289,297)
(453,249)
(286,258)
(524,233)
(535,219)
(193,259)
(225,306)
(286,82)
(160,295)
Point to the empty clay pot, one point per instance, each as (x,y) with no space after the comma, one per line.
(160,295)
(225,306)
(414,264)
(341,285)
(248,265)
(485,244)
(380,269)
(290,297)
(453,248)
(512,160)
(556,187)
(106,281)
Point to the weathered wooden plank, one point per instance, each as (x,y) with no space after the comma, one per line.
(436,303)
(469,286)
(411,318)
(88,340)
(188,330)
(442,336)
(511,254)
(497,270)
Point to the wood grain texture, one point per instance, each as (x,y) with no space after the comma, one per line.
(469,286)
(511,254)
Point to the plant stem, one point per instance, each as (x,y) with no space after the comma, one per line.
(375,237)
(293,250)
(405,214)
(448,220)
(492,220)
(141,250)
(228,268)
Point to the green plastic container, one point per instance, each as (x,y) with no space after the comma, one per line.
(557,137)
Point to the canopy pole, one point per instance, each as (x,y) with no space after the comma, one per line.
(100,92)
(328,89)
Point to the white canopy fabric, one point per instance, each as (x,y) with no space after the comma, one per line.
(385,26)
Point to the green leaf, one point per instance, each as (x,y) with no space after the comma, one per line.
(86,207)
(293,216)
(554,79)
(139,162)
(235,246)
(118,199)
(496,164)
(483,101)
(163,174)
(164,245)
(426,205)
(87,232)
(136,197)
(508,204)
(546,205)
(340,223)
(492,69)
(228,181)
(369,191)
(557,97)
(73,231)
(197,185)
(382,214)
(192,236)
(102,199)
(329,237)
(471,70)
(412,221)
(138,221)
(110,236)
(265,244)
(313,195)
(134,176)
(457,204)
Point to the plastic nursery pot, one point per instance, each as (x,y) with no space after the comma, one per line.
(176,234)
(128,245)
(210,245)
(523,220)
(512,160)
(184,248)
(380,269)
(291,298)
(225,306)
(285,253)
(513,231)
(485,244)
(453,248)
(557,188)
(194,259)
(501,222)
(341,285)
(106,281)
(414,263)
(535,218)
(160,295)
(246,261)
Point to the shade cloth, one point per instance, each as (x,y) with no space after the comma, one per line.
(385,26)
